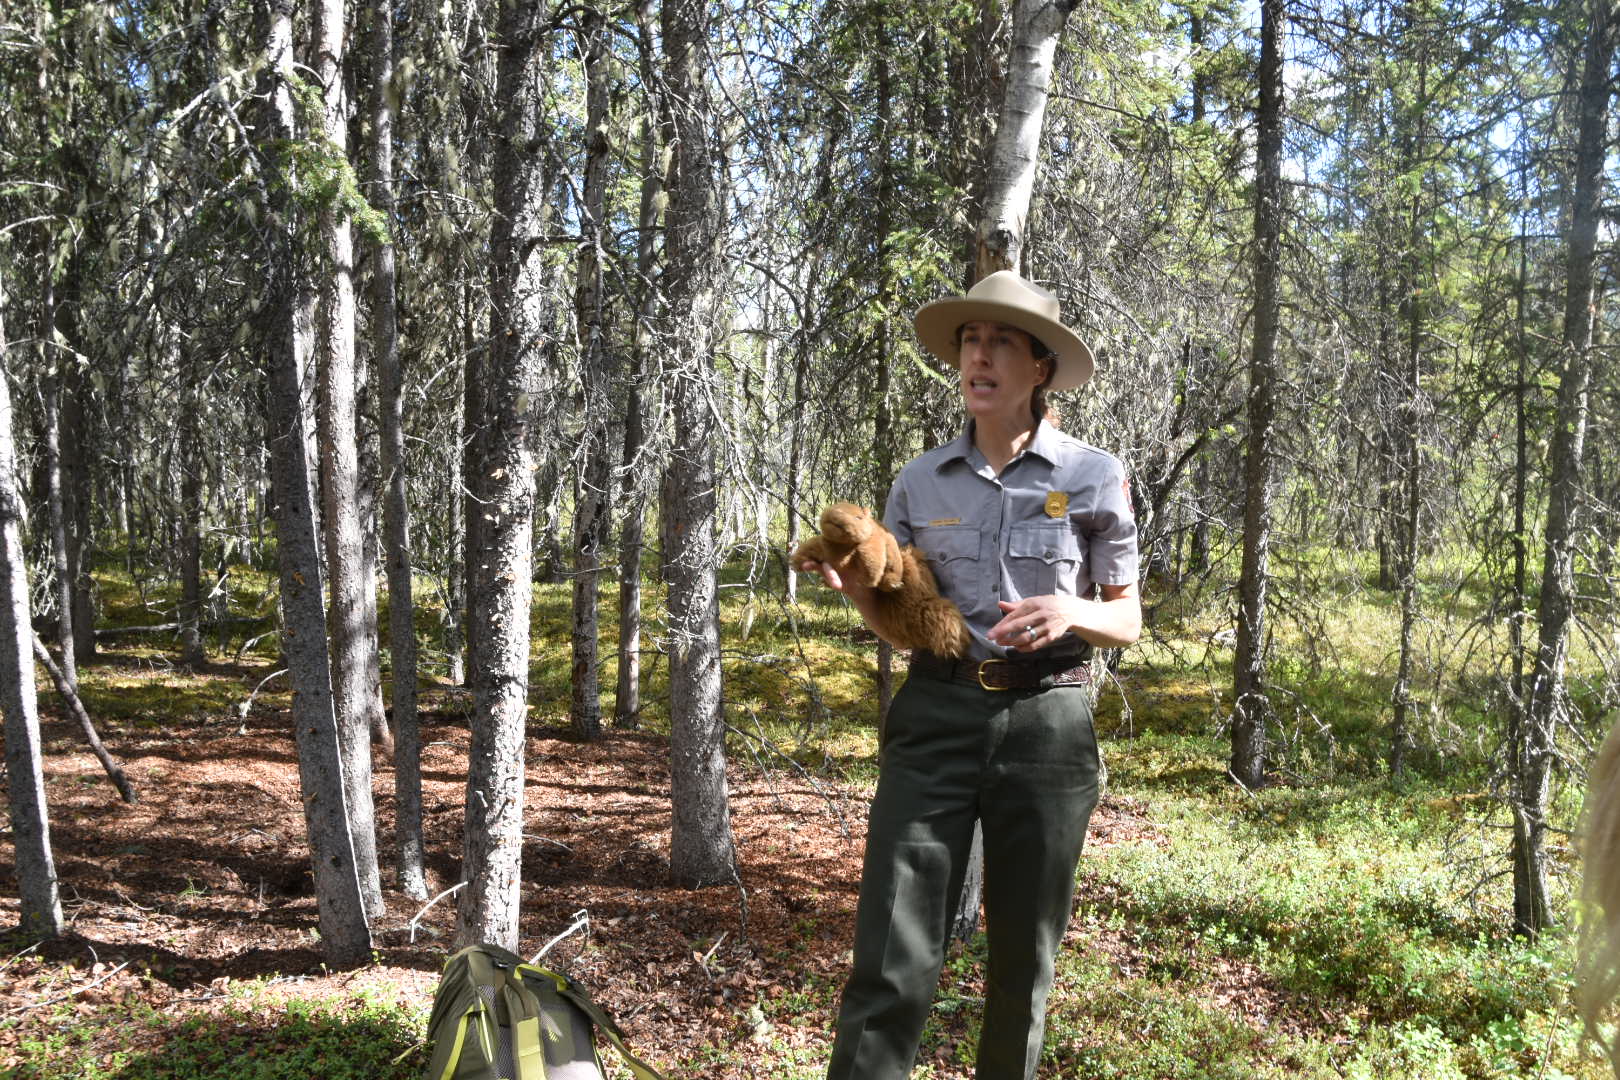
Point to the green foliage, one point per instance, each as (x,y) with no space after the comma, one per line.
(317,172)
(354,1040)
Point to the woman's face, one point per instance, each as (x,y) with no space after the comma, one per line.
(999,371)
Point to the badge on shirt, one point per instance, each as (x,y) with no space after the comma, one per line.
(1057,503)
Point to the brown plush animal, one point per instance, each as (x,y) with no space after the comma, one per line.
(909,610)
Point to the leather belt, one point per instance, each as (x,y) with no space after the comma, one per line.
(1007,674)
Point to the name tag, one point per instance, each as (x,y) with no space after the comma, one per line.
(946,521)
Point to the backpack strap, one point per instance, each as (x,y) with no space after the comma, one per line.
(523,1017)
(594,1012)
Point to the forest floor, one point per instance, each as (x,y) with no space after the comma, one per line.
(1321,927)
(204,884)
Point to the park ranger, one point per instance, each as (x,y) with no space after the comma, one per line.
(1030,532)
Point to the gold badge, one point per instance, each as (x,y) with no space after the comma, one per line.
(944,521)
(1057,503)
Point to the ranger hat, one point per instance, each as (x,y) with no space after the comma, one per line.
(1004,297)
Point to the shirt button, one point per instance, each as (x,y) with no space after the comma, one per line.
(1049,553)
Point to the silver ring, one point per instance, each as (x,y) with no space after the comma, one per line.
(1030,630)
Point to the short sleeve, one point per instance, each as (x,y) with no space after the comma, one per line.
(1111,531)
(896,515)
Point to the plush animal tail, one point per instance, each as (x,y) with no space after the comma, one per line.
(917,617)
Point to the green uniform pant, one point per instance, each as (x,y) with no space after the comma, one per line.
(1023,762)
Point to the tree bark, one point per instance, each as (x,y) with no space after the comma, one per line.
(1009,186)
(191,483)
(1548,698)
(55,493)
(40,900)
(340,522)
(1250,707)
(70,696)
(593,471)
(1037,27)
(632,531)
(492,844)
(396,507)
(701,847)
(345,935)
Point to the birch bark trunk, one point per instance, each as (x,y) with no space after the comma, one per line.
(1009,186)
(1037,27)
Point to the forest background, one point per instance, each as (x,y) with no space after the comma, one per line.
(355,355)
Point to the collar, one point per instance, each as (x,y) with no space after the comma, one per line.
(1043,444)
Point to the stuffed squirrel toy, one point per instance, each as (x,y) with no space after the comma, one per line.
(910,612)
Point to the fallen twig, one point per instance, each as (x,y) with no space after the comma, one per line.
(20,955)
(582,921)
(451,891)
(71,993)
(70,694)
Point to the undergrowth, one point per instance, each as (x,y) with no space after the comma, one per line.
(1337,923)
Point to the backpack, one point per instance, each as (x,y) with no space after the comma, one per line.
(497,1018)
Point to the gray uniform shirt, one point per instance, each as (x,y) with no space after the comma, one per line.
(1058,520)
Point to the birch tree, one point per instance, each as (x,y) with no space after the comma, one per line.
(1037,26)
(1000,237)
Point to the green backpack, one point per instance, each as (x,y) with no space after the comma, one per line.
(497,1018)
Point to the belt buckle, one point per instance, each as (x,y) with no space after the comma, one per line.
(986,663)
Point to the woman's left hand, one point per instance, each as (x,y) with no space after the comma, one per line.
(1032,623)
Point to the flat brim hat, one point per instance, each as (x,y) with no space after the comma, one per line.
(1004,297)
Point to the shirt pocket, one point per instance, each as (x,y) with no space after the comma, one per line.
(1043,559)
(952,552)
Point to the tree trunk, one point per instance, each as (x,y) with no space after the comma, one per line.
(701,846)
(1250,707)
(345,936)
(1037,26)
(396,509)
(492,845)
(78,448)
(593,469)
(474,412)
(56,358)
(1548,699)
(340,522)
(1010,183)
(632,532)
(191,483)
(70,696)
(41,905)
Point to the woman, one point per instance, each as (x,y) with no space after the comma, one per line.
(1020,524)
